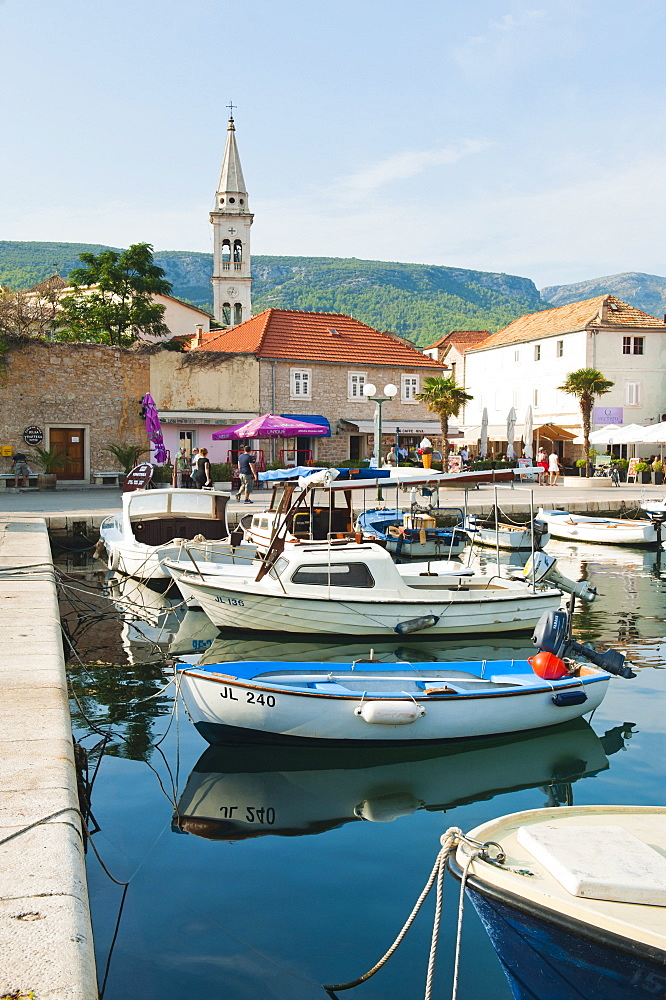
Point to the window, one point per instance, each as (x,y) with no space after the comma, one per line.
(410,387)
(535,397)
(344,575)
(537,352)
(559,349)
(633,345)
(300,383)
(516,356)
(632,393)
(355,383)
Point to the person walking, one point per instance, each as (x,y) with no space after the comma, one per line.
(181,468)
(247,472)
(553,468)
(202,475)
(542,465)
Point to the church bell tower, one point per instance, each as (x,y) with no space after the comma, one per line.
(231,220)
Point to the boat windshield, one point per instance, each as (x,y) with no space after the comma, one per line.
(354,574)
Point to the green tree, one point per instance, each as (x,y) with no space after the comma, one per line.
(586,384)
(112,298)
(444,397)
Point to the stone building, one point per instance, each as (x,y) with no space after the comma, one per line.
(314,366)
(80,397)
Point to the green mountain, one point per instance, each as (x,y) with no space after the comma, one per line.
(418,301)
(645,291)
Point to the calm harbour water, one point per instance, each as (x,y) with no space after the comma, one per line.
(263,874)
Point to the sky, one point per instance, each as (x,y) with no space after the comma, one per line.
(520,137)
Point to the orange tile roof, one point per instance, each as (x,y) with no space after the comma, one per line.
(309,336)
(462,338)
(603,311)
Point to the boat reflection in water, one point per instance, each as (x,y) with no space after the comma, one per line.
(241,792)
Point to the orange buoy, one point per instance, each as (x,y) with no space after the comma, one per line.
(548,666)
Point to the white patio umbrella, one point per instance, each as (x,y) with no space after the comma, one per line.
(510,433)
(483,441)
(600,435)
(528,434)
(656,434)
(629,434)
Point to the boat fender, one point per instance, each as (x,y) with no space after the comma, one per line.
(390,713)
(548,666)
(566,698)
(386,808)
(416,624)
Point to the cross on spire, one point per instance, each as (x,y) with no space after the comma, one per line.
(231,107)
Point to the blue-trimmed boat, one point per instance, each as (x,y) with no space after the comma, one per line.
(412,535)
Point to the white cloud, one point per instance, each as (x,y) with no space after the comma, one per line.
(402,166)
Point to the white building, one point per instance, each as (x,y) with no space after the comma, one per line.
(231,220)
(524,364)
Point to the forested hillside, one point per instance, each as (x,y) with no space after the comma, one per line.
(418,301)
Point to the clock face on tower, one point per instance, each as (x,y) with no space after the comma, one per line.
(231,292)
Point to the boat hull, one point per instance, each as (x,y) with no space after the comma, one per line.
(518,540)
(243,610)
(542,957)
(600,531)
(227,709)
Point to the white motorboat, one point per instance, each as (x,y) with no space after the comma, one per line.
(412,535)
(602,530)
(238,793)
(357,589)
(368,701)
(507,536)
(573,899)
(155,524)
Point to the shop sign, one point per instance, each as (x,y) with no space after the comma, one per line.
(602,415)
(33,435)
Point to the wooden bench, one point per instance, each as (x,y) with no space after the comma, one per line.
(106,478)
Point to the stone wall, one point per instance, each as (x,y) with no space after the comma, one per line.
(90,386)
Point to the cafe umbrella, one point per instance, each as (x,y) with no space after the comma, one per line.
(510,433)
(269,426)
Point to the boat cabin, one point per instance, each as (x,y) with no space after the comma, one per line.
(155,517)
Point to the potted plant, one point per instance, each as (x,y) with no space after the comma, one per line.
(127,455)
(50,459)
(221,473)
(643,472)
(622,464)
(658,472)
(580,465)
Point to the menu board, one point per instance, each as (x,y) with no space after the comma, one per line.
(138,478)
(631,471)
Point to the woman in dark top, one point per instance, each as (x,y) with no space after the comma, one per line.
(202,475)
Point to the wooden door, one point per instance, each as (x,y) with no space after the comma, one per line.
(69,440)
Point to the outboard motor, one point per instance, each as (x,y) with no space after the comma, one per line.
(657,517)
(539,529)
(551,635)
(545,571)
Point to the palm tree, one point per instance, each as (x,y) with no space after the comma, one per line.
(586,384)
(444,397)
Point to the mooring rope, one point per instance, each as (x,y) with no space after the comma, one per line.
(449,841)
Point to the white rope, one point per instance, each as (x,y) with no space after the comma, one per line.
(449,842)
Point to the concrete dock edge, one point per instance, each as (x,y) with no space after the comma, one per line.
(46,942)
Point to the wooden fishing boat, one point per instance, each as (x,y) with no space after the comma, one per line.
(155,524)
(602,530)
(243,792)
(507,536)
(411,535)
(573,899)
(367,701)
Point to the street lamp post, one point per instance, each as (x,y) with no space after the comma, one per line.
(369,391)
